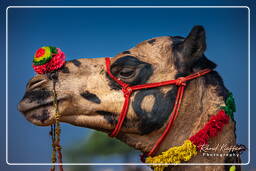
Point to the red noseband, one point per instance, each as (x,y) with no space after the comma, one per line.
(128,90)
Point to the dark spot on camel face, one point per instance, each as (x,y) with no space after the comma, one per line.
(91,97)
(130,70)
(152,41)
(38,96)
(42,117)
(162,108)
(108,116)
(126,52)
(112,118)
(76,62)
(64,69)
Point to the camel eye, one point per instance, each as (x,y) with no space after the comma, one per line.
(126,73)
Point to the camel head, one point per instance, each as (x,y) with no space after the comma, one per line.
(88,97)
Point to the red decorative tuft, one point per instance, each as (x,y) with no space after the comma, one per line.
(55,63)
(40,52)
(211,129)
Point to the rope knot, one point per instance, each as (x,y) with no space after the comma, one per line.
(127,91)
(181,81)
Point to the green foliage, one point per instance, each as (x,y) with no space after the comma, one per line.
(97,145)
(100,144)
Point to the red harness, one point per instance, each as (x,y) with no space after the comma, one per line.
(128,90)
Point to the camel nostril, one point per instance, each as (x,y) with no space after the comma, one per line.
(35,83)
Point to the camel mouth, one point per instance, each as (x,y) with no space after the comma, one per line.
(41,114)
(27,107)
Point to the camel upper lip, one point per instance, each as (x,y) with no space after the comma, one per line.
(28,108)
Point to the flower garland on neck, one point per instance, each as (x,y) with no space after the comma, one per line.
(46,60)
(191,146)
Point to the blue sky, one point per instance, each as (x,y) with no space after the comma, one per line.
(87,32)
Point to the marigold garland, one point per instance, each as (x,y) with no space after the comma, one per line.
(189,148)
(211,129)
(174,155)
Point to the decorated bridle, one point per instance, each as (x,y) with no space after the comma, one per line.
(128,90)
(49,59)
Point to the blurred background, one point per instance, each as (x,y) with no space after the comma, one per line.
(90,32)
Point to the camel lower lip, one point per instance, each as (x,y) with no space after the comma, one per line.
(38,106)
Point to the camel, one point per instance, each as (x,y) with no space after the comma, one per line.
(88,97)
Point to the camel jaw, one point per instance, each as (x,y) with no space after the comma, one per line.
(40,114)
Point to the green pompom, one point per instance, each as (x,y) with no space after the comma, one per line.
(230,107)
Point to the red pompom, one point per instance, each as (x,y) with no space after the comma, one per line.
(57,61)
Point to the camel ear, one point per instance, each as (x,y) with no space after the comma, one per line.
(192,48)
(194,45)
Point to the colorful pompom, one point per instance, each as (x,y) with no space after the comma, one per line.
(48,59)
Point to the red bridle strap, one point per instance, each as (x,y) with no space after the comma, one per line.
(128,90)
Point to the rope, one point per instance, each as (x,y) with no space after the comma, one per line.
(55,133)
(52,133)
